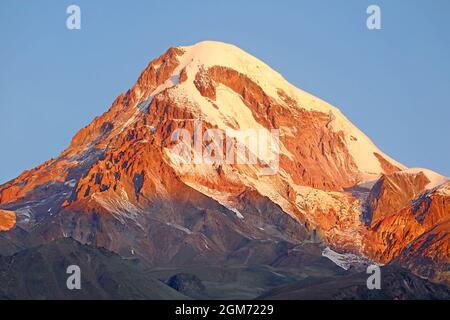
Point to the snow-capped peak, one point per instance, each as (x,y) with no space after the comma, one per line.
(203,55)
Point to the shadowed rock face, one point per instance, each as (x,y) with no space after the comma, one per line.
(40,273)
(397,284)
(186,283)
(194,229)
(116,186)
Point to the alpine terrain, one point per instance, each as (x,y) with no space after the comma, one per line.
(141,222)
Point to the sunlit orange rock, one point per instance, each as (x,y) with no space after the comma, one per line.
(120,167)
(7,220)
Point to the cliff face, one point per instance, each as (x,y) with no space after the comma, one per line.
(121,185)
(393,192)
(417,235)
(7,220)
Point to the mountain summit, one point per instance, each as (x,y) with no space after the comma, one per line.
(121,185)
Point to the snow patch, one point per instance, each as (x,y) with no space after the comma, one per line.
(120,207)
(71,183)
(345,260)
(178,227)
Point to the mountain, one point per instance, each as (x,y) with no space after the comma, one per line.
(353,287)
(124,183)
(40,273)
(417,235)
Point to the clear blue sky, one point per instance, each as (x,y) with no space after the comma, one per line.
(394,84)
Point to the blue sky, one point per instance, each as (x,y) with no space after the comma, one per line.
(394,83)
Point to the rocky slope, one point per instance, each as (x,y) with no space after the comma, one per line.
(40,273)
(7,220)
(417,235)
(354,287)
(121,183)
